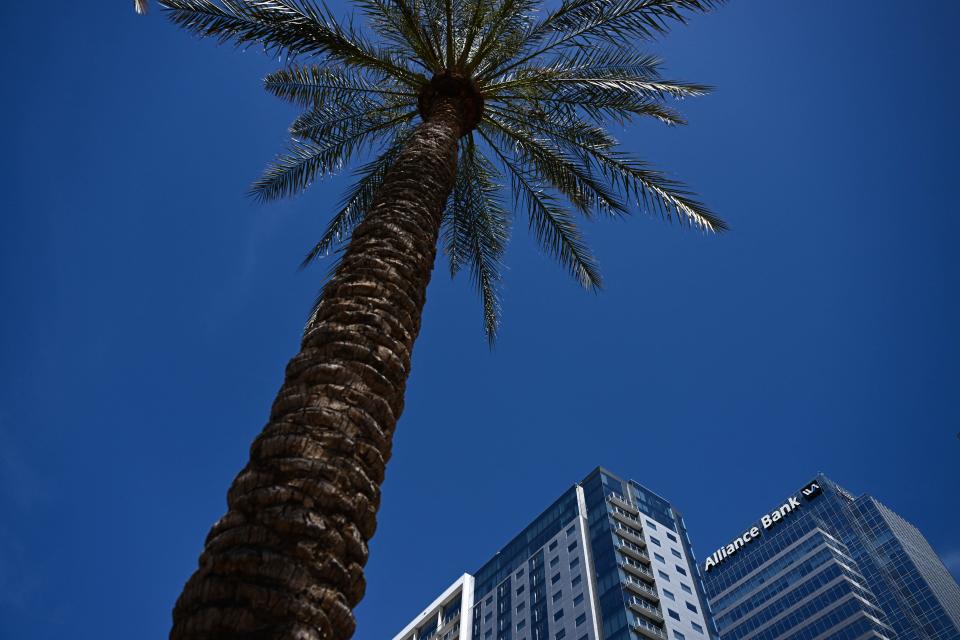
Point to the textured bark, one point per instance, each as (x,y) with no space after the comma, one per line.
(286,561)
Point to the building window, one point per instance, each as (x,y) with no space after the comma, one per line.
(676,554)
(651,525)
(578,599)
(521,624)
(672,537)
(555,562)
(692,608)
(555,579)
(682,571)
(581,619)
(663,575)
(558,615)
(686,588)
(557,595)
(553,545)
(574,563)
(521,606)
(678,635)
(519,574)
(560,634)
(668,594)
(673,614)
(572,546)
(655,541)
(659,557)
(575,581)
(487,617)
(696,627)
(571,530)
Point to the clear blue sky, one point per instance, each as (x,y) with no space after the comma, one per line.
(149,308)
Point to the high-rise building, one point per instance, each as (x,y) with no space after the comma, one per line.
(826,565)
(609,560)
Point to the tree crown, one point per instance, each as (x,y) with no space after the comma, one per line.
(538,89)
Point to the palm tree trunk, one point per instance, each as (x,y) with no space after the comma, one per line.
(286,561)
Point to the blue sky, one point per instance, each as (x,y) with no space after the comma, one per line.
(149,309)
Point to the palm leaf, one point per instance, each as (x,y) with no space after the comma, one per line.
(285,26)
(294,171)
(552,225)
(476,231)
(312,85)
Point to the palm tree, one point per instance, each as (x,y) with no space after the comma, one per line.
(454,98)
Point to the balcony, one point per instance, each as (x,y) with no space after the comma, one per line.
(623,503)
(637,554)
(647,629)
(643,607)
(641,588)
(630,534)
(639,571)
(625,518)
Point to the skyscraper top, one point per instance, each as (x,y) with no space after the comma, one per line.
(827,564)
(608,559)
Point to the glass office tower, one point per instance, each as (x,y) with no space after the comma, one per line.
(825,565)
(609,560)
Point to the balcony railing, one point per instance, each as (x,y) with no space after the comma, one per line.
(637,569)
(625,516)
(452,615)
(641,588)
(634,551)
(631,534)
(651,631)
(641,605)
(624,503)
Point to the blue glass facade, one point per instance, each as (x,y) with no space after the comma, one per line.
(608,560)
(828,566)
(590,574)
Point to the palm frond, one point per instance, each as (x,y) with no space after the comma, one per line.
(551,224)
(580,22)
(569,174)
(650,188)
(502,30)
(476,231)
(658,193)
(477,10)
(294,171)
(312,85)
(601,107)
(399,24)
(549,81)
(332,122)
(293,27)
(141,7)
(590,60)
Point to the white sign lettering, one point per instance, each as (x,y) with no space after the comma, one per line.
(767,521)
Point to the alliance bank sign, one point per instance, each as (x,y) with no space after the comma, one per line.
(767,521)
